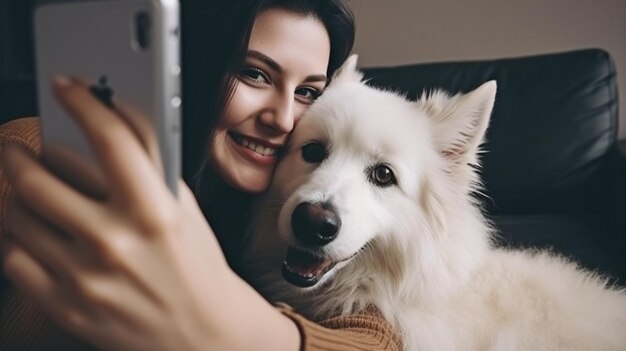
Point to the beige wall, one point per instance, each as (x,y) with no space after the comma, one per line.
(393,32)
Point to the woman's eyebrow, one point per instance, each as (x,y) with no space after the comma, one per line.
(278,68)
(316,78)
(265,59)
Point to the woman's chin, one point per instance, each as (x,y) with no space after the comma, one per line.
(251,182)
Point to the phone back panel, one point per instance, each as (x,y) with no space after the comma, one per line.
(98,42)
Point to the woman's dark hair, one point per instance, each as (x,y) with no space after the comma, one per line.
(215,35)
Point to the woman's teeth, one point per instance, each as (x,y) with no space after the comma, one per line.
(259,149)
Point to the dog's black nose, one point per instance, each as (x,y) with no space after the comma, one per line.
(315,224)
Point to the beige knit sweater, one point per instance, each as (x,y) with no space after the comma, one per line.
(24,327)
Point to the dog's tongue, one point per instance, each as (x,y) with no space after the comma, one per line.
(303,269)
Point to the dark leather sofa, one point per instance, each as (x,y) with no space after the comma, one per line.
(554,171)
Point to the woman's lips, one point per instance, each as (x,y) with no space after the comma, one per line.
(254,151)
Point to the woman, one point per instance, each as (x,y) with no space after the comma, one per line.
(125,265)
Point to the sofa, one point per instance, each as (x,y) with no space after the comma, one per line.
(554,169)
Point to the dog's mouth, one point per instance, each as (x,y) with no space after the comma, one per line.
(304,269)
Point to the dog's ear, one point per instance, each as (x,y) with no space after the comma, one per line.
(460,121)
(348,71)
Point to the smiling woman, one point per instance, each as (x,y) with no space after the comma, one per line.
(137,268)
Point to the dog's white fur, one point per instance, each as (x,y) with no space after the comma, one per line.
(425,257)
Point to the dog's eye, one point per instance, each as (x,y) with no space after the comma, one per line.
(383,176)
(314,152)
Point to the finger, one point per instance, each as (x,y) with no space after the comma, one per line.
(49,197)
(144,131)
(120,154)
(43,242)
(75,170)
(187,199)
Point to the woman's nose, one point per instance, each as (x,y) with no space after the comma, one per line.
(281,115)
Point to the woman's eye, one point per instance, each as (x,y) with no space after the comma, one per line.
(314,152)
(254,75)
(308,94)
(383,176)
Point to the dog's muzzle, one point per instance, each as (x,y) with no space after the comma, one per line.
(314,225)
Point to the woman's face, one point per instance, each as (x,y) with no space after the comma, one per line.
(284,71)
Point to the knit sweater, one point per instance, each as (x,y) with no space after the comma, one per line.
(24,327)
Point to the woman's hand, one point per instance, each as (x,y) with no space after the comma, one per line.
(113,256)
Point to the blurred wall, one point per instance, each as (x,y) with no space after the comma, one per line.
(391,32)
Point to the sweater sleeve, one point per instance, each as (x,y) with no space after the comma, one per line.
(358,332)
(22,325)
(23,132)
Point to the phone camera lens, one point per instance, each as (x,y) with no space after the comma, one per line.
(142,29)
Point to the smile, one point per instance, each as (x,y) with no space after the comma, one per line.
(255,146)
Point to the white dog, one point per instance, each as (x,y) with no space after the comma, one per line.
(372,205)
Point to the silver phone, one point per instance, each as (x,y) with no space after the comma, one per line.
(126,49)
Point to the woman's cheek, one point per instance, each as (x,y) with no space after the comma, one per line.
(243,104)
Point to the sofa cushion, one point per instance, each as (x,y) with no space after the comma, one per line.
(577,237)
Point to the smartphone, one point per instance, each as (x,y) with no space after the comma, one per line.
(126,50)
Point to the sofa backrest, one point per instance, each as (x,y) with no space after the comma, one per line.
(554,121)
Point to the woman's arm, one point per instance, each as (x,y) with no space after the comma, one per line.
(131,267)
(127,265)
